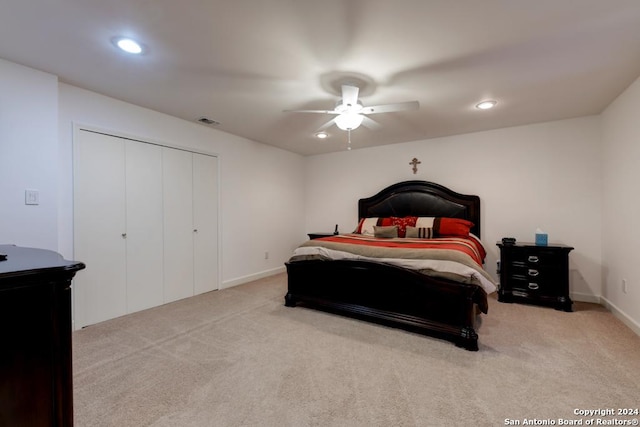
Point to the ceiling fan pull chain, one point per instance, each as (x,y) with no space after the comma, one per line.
(349,139)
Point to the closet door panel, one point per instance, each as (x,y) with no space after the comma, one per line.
(144,226)
(99,211)
(205,218)
(145,223)
(178,224)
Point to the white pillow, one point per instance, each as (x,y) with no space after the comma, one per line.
(425,222)
(367,226)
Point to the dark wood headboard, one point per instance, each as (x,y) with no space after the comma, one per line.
(422,198)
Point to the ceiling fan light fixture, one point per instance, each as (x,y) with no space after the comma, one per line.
(349,121)
(486,105)
(322,135)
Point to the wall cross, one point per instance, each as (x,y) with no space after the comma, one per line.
(415,162)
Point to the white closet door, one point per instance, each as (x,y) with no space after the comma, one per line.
(99,211)
(178,224)
(205,219)
(144,226)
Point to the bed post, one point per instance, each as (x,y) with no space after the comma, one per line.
(468,339)
(289,300)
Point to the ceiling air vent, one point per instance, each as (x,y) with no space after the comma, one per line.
(207,121)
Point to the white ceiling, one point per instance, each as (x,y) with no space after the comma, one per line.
(242,62)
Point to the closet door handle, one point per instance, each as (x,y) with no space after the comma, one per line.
(195,230)
(124,235)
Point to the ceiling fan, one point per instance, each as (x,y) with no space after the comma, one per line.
(350,113)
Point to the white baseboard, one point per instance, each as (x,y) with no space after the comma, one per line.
(585,298)
(251,277)
(632,324)
(615,310)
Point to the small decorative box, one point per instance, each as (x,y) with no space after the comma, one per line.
(541,239)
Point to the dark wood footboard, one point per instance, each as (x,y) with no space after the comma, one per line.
(388,295)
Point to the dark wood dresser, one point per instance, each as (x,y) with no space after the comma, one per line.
(36,383)
(535,274)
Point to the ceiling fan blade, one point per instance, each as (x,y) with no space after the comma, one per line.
(370,123)
(389,108)
(350,95)
(312,111)
(326,125)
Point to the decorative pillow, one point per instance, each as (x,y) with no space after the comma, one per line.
(365,226)
(452,227)
(385,222)
(403,223)
(385,231)
(443,227)
(419,232)
(425,221)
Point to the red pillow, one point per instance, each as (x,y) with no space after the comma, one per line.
(403,223)
(385,222)
(452,227)
(442,227)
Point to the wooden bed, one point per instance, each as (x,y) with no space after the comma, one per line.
(391,295)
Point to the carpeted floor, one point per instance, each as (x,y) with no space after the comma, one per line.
(239,357)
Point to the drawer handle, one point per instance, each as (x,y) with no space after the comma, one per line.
(533,273)
(533,258)
(533,286)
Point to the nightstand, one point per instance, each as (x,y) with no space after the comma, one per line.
(535,274)
(319,234)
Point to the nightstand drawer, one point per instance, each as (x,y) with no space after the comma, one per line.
(537,273)
(533,286)
(531,257)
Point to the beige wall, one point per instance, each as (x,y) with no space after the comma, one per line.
(575,179)
(545,175)
(621,205)
(28,156)
(261,187)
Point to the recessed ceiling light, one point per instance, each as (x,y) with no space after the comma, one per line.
(485,105)
(322,135)
(128,45)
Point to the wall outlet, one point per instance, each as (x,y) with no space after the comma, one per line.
(625,288)
(31,197)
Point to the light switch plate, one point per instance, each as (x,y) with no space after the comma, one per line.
(31,197)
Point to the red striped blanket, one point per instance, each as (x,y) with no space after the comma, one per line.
(403,247)
(461,257)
